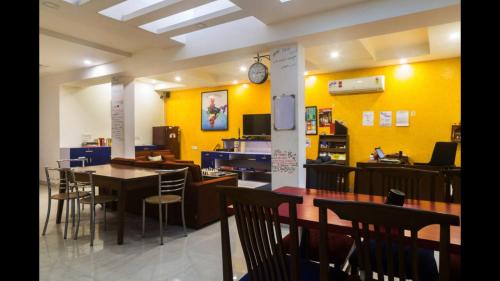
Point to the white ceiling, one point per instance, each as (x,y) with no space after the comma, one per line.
(415,45)
(70,34)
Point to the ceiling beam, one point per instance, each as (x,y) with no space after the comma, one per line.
(84,42)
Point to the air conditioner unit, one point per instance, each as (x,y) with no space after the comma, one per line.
(372,84)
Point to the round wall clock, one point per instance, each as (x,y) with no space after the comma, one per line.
(257,73)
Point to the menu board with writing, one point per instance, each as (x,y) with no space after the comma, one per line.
(117,120)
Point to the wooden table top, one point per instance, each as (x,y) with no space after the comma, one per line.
(116,171)
(308,214)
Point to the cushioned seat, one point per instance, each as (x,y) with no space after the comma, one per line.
(427,267)
(169,198)
(72,195)
(309,271)
(339,246)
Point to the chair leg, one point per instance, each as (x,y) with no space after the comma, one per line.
(143,216)
(104,206)
(72,212)
(47,219)
(161,225)
(78,218)
(67,218)
(183,218)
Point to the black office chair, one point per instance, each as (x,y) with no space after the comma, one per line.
(442,155)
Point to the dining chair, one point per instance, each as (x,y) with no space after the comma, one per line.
(330,177)
(417,184)
(382,247)
(169,181)
(259,231)
(68,192)
(66,163)
(453,184)
(93,200)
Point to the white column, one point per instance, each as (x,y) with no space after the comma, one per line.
(122,117)
(288,146)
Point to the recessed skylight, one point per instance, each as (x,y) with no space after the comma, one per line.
(201,13)
(77,2)
(130,9)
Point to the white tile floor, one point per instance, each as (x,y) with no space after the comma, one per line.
(196,257)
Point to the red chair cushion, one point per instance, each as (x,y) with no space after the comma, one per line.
(339,246)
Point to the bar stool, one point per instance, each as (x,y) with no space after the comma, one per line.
(70,193)
(93,200)
(169,181)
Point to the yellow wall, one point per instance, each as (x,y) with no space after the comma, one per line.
(183,109)
(430,89)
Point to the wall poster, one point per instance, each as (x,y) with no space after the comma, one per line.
(325,117)
(214,108)
(311,120)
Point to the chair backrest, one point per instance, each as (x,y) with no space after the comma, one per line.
(370,220)
(417,184)
(62,177)
(259,229)
(328,176)
(444,154)
(170,181)
(453,185)
(80,160)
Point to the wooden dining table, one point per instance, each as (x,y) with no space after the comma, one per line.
(308,214)
(121,178)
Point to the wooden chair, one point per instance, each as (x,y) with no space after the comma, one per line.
(417,184)
(68,192)
(169,181)
(371,220)
(328,176)
(331,177)
(453,185)
(259,229)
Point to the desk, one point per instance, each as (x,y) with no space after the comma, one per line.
(121,178)
(308,214)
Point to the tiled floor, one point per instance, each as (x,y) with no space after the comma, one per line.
(196,257)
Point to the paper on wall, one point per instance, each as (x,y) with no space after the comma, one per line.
(368,117)
(385,118)
(402,118)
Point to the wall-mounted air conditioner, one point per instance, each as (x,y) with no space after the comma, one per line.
(372,84)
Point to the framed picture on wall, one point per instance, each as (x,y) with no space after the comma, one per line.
(214,111)
(311,120)
(325,117)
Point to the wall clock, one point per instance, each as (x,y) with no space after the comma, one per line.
(257,73)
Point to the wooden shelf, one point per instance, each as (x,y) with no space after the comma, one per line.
(336,150)
(333,142)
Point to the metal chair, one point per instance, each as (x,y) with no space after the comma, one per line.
(66,163)
(169,181)
(69,192)
(93,200)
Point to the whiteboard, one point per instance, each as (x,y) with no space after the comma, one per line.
(284,112)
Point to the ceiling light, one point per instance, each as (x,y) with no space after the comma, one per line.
(178,78)
(306,72)
(235,82)
(87,62)
(130,9)
(193,16)
(77,2)
(334,54)
(153,81)
(243,68)
(454,35)
(245,85)
(284,1)
(403,61)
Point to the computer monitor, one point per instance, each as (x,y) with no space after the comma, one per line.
(380,153)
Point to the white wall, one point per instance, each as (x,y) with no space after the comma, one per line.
(49,125)
(87,111)
(148,112)
(84,111)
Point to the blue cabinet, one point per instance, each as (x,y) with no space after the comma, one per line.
(95,155)
(263,158)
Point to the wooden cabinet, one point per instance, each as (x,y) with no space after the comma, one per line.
(335,146)
(168,137)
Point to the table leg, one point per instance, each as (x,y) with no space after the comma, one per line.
(60,205)
(122,197)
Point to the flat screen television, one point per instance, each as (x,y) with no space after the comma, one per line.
(257,124)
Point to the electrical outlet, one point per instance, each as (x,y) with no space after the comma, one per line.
(194,147)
